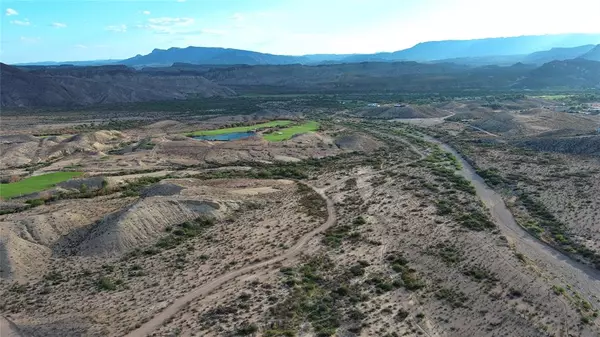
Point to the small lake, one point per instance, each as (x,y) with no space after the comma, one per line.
(227,136)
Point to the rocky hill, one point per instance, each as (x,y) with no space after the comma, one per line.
(556,54)
(70,86)
(589,145)
(577,73)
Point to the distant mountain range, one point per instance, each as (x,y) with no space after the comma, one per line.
(569,61)
(537,49)
(526,49)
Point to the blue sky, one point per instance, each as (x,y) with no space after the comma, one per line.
(46,30)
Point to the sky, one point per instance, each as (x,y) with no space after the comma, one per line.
(74,30)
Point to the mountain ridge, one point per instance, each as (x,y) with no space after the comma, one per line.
(428,51)
(536,49)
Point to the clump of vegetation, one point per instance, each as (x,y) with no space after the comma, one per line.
(558,290)
(448,252)
(397,261)
(312,203)
(246,329)
(334,236)
(546,222)
(411,280)
(444,207)
(475,220)
(318,295)
(107,284)
(458,182)
(181,232)
(480,274)
(491,176)
(54,277)
(454,298)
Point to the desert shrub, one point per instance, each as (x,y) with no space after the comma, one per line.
(106,283)
(448,252)
(476,220)
(454,298)
(18,288)
(412,281)
(479,273)
(54,277)
(444,207)
(491,176)
(515,293)
(35,202)
(558,290)
(246,329)
(183,231)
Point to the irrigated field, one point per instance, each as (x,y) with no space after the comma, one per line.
(290,132)
(35,184)
(240,128)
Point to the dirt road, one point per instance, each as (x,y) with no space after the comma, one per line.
(203,290)
(563,269)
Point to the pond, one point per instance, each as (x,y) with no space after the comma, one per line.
(227,136)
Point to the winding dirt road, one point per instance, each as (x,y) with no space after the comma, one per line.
(205,289)
(564,270)
(561,269)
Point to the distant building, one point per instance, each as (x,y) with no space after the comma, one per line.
(374,105)
(399,105)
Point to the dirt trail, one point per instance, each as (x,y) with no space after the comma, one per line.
(482,130)
(203,290)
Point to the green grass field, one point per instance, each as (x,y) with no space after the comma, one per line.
(35,184)
(287,133)
(239,129)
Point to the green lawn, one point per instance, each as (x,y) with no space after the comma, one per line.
(287,133)
(239,128)
(35,184)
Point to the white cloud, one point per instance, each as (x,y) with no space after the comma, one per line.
(21,23)
(30,39)
(168,25)
(59,25)
(117,28)
(146,12)
(213,31)
(10,11)
(237,16)
(167,21)
(93,46)
(180,0)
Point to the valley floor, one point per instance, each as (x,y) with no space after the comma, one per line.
(361,229)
